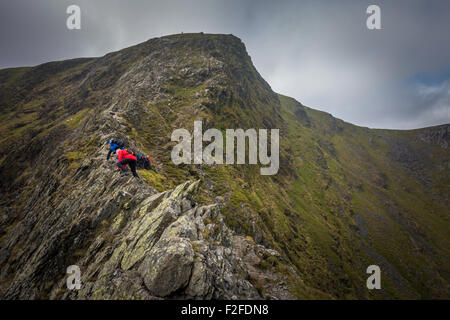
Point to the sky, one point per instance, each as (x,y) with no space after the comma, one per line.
(318,52)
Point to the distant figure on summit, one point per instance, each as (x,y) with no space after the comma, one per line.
(113,146)
(127,157)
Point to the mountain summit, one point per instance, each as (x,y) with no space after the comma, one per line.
(345,197)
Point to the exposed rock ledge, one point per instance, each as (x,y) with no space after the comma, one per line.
(166,248)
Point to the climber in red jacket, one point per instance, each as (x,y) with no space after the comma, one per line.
(127,157)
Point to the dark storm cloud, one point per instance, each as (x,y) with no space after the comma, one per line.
(319,52)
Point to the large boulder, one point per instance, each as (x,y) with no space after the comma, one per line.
(167,268)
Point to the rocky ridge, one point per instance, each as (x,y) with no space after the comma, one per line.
(345,197)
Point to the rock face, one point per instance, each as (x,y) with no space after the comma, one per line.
(146,245)
(345,197)
(165,250)
(439,135)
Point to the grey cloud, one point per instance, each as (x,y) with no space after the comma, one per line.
(320,53)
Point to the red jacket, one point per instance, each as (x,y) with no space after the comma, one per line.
(124,154)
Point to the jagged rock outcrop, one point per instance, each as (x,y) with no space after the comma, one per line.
(163,247)
(157,245)
(129,240)
(171,249)
(439,135)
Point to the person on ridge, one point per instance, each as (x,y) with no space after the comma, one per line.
(143,161)
(147,162)
(113,146)
(140,160)
(127,157)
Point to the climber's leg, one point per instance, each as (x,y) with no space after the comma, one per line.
(132,164)
(121,164)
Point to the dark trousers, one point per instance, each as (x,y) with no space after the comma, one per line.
(131,163)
